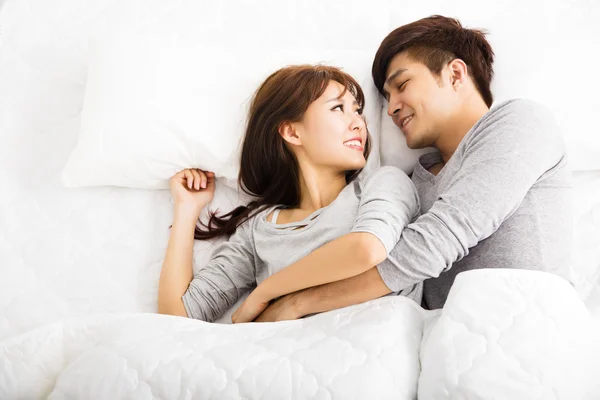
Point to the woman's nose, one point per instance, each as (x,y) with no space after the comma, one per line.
(357,122)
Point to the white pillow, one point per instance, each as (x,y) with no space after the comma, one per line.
(168,87)
(150,110)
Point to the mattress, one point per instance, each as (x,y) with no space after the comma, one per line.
(79,273)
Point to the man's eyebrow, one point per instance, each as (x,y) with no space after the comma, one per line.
(396,74)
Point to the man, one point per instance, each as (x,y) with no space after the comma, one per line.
(495,195)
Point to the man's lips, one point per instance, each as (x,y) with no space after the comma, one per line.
(404,120)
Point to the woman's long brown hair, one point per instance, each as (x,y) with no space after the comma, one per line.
(269,171)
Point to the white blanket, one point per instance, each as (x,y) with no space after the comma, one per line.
(503,334)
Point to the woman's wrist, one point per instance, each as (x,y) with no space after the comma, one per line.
(188,210)
(260,293)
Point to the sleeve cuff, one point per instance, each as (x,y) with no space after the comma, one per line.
(387,240)
(391,276)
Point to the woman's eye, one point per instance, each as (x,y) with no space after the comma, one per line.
(359,111)
(402,85)
(338,107)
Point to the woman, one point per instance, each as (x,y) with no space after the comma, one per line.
(304,147)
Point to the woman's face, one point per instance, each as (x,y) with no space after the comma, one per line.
(333,133)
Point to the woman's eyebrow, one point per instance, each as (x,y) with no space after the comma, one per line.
(340,99)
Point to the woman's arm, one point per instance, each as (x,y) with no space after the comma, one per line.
(388,203)
(358,289)
(342,258)
(177,271)
(228,274)
(345,257)
(192,189)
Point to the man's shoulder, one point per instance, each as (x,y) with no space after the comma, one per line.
(517,128)
(522,111)
(519,104)
(520,122)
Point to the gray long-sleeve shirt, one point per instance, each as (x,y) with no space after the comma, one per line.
(382,203)
(503,200)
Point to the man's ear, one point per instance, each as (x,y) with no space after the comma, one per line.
(289,133)
(459,73)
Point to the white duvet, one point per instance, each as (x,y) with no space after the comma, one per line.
(503,334)
(79,271)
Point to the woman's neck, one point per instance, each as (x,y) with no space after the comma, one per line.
(319,187)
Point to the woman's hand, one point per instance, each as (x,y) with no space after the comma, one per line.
(192,188)
(250,309)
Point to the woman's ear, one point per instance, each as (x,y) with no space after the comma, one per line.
(289,133)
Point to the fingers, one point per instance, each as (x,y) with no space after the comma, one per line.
(210,179)
(195,178)
(200,179)
(202,183)
(189,177)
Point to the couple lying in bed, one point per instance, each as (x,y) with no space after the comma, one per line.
(321,235)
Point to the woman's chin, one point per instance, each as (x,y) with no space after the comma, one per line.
(356,165)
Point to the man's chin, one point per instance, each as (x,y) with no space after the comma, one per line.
(412,145)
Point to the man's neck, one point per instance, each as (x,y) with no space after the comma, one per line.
(471,111)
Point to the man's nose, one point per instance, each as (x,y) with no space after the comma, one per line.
(393,109)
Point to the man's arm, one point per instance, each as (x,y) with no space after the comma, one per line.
(510,151)
(358,289)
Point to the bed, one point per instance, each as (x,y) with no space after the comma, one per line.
(79,265)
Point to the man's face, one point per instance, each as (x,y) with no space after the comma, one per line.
(419,102)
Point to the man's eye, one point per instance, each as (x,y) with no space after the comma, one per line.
(402,85)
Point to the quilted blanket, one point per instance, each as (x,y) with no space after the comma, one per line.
(503,334)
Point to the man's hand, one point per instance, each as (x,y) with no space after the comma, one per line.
(250,309)
(318,299)
(284,309)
